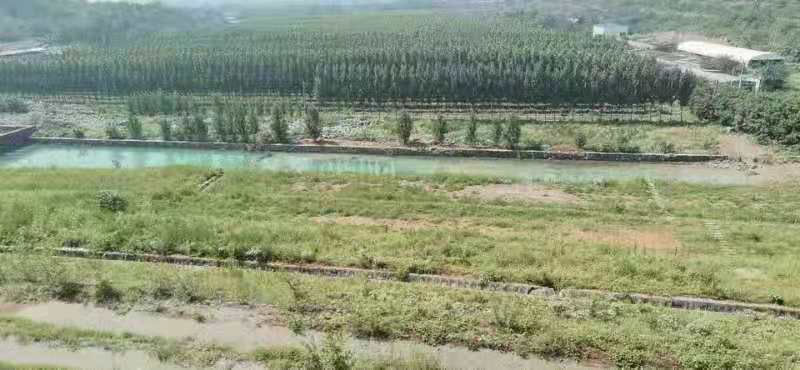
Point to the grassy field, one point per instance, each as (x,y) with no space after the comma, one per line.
(794,81)
(669,238)
(609,333)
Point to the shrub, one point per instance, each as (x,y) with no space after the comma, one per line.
(113,132)
(105,293)
(280,130)
(665,147)
(64,289)
(112,201)
(14,105)
(78,133)
(405,126)
(776,299)
(497,131)
(581,140)
(134,126)
(166,130)
(313,123)
(513,134)
(439,129)
(472,130)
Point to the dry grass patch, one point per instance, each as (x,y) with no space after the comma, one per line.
(517,193)
(395,225)
(324,187)
(652,239)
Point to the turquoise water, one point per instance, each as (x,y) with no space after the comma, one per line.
(75,156)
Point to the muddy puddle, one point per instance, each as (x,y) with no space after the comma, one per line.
(247,329)
(37,354)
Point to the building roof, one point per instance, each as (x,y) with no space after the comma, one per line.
(712,50)
(611,26)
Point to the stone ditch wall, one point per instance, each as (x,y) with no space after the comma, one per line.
(400,151)
(688,303)
(16,135)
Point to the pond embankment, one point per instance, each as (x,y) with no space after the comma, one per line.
(401,151)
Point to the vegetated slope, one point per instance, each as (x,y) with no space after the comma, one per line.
(763,24)
(101,22)
(461,60)
(721,242)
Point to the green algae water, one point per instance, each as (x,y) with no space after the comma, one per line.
(78,156)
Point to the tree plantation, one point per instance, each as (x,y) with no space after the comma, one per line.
(501,61)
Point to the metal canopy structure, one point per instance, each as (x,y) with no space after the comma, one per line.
(741,55)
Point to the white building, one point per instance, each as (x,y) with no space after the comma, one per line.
(610,29)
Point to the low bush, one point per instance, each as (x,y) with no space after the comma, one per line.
(581,140)
(112,201)
(105,293)
(78,133)
(665,147)
(113,132)
(14,105)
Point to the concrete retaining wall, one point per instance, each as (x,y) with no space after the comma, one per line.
(16,135)
(400,151)
(688,303)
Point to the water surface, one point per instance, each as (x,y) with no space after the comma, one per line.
(77,156)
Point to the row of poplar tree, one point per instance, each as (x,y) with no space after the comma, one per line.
(509,64)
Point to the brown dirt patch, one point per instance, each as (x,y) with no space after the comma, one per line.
(517,193)
(655,239)
(324,187)
(741,147)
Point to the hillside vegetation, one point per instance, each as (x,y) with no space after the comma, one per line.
(102,22)
(761,24)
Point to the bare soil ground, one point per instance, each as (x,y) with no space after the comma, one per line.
(655,239)
(517,193)
(741,147)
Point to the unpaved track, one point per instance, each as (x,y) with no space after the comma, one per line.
(248,328)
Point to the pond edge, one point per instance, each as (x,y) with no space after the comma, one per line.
(396,151)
